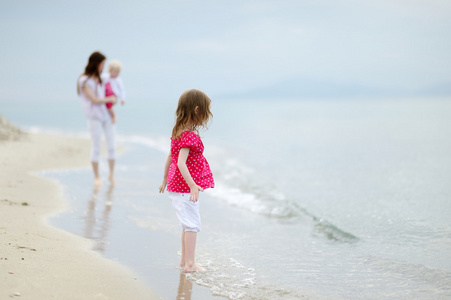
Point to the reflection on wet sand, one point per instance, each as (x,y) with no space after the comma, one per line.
(185,288)
(98,220)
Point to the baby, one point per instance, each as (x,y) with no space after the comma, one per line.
(114,86)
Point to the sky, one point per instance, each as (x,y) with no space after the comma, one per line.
(275,48)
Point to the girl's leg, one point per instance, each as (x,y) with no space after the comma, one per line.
(182,261)
(190,248)
(188,214)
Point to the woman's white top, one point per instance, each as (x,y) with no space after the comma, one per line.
(91,110)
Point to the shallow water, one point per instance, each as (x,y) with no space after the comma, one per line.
(323,199)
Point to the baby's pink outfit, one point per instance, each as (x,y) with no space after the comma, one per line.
(109,92)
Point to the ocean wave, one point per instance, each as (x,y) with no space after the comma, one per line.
(161,144)
(54,131)
(241,186)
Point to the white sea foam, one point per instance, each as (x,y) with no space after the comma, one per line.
(241,186)
(229,278)
(226,277)
(54,131)
(158,143)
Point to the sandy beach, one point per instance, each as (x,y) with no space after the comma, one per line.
(38,261)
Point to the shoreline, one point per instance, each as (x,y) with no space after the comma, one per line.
(37,260)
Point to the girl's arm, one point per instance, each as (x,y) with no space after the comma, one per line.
(181,164)
(94,99)
(165,174)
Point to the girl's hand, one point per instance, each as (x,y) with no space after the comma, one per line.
(181,164)
(194,195)
(163,186)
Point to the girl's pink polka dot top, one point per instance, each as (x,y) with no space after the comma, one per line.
(197,165)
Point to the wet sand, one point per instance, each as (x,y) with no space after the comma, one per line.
(38,261)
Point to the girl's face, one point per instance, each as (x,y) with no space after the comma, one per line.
(100,67)
(114,72)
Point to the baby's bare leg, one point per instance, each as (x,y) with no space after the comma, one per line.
(113,115)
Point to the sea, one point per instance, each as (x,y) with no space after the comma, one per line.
(314,198)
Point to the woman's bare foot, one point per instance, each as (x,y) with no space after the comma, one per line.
(97,182)
(194,268)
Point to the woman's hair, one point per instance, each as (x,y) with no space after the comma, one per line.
(193,112)
(92,69)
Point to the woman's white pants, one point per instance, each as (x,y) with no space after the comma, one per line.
(95,128)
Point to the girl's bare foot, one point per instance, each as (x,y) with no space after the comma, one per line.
(194,268)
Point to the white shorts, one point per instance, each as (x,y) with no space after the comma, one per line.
(187,211)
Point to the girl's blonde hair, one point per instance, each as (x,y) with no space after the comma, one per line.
(193,112)
(115,64)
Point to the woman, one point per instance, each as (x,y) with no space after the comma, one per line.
(92,94)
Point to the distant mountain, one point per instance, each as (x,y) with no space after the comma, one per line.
(303,88)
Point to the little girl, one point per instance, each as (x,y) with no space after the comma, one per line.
(186,171)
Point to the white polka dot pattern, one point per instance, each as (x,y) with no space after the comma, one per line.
(198,166)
